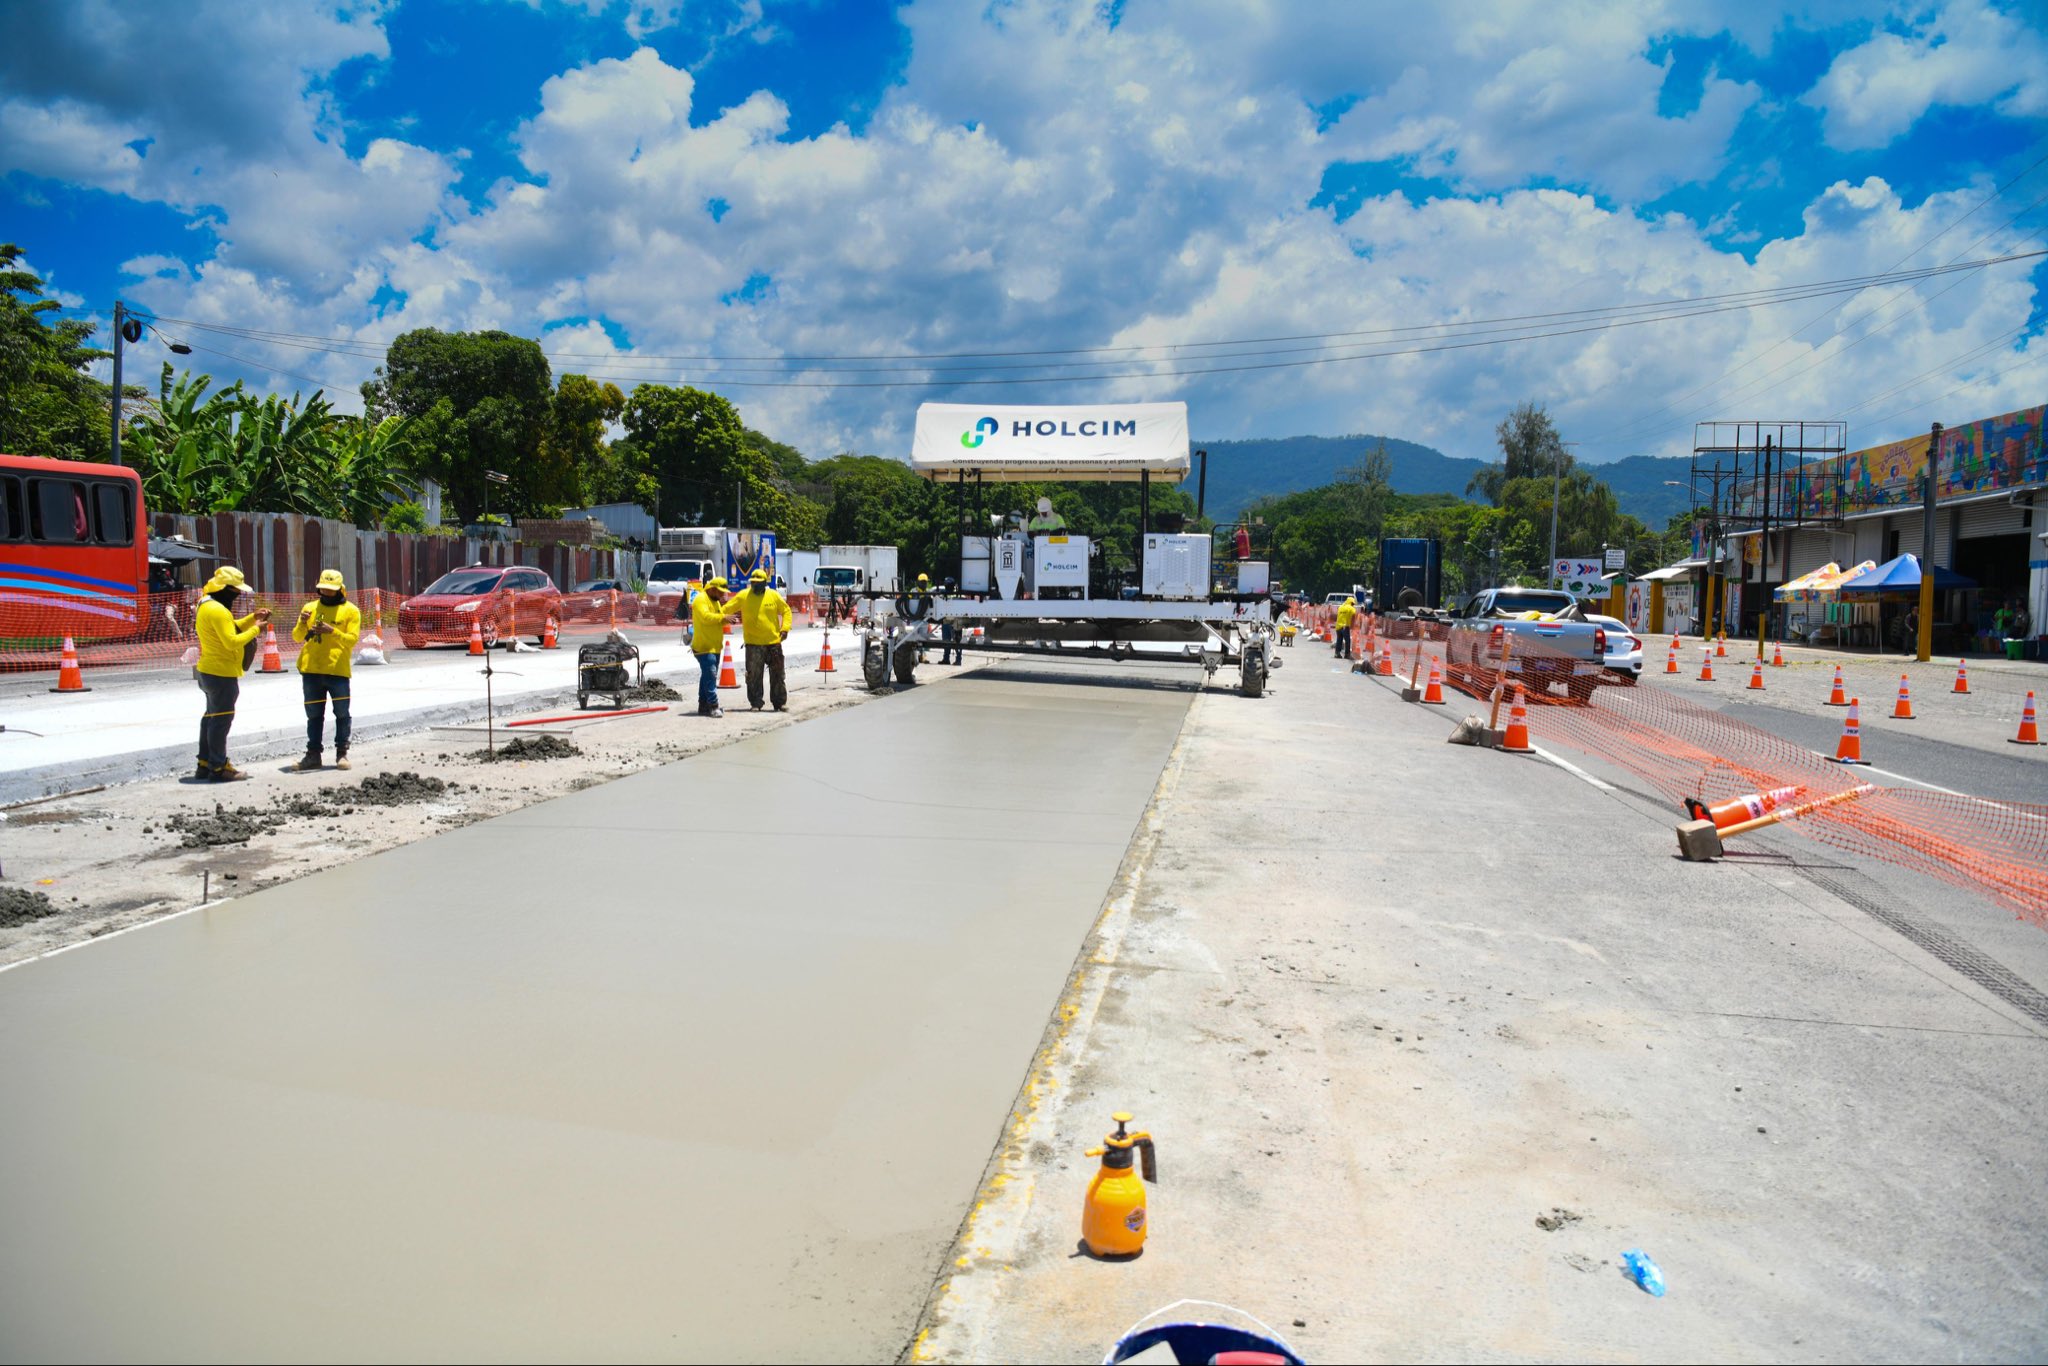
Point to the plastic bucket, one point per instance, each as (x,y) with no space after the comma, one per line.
(2015,649)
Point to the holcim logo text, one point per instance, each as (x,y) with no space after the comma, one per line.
(1085,427)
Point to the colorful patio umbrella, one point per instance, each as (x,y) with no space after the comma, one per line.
(1823,583)
(1901,574)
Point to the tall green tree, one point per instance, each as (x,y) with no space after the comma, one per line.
(50,405)
(1530,448)
(697,449)
(481,401)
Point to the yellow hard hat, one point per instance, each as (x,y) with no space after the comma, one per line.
(758,576)
(718,582)
(924,578)
(227,576)
(331,578)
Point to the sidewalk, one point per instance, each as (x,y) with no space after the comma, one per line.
(143,724)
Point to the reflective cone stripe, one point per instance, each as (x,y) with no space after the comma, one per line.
(547,636)
(726,677)
(1904,710)
(1748,807)
(1706,666)
(1756,677)
(1671,660)
(1517,739)
(825,664)
(1850,748)
(1386,660)
(476,637)
(1962,678)
(1778,655)
(1838,698)
(2030,734)
(70,678)
(1435,691)
(272,663)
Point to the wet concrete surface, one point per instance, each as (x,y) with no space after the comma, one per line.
(703,1063)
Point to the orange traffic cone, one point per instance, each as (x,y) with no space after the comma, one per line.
(1435,691)
(1850,749)
(1517,738)
(825,664)
(1904,710)
(2029,734)
(1838,698)
(1386,660)
(1671,660)
(272,663)
(70,678)
(476,638)
(1706,665)
(1748,807)
(1778,655)
(727,678)
(1721,646)
(1962,678)
(1756,677)
(547,636)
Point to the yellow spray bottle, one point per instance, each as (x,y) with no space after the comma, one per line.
(1113,1219)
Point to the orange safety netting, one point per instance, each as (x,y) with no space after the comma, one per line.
(1682,748)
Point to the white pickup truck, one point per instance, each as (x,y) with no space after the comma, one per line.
(1553,643)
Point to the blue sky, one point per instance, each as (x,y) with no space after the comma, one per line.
(659,188)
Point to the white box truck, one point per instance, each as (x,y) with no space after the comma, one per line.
(798,570)
(857,569)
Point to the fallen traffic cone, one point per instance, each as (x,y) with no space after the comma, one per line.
(727,678)
(1850,749)
(70,678)
(1671,660)
(1721,646)
(547,636)
(1706,665)
(1516,741)
(1435,691)
(2029,733)
(476,638)
(825,664)
(1756,677)
(272,662)
(1778,655)
(1838,698)
(1962,678)
(1386,660)
(1747,807)
(1904,710)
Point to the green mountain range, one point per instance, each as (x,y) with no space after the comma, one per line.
(1241,471)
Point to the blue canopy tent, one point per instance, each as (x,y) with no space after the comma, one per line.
(1899,578)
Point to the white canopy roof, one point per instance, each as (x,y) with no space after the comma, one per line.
(1054,442)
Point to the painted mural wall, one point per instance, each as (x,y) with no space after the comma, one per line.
(1985,456)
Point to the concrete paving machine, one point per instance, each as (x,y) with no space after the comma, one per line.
(1026,586)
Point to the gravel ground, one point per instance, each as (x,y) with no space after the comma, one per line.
(113,859)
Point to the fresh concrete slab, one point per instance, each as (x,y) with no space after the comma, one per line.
(702,1064)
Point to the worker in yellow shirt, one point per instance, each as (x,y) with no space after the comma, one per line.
(708,611)
(224,642)
(327,630)
(1346,611)
(765,620)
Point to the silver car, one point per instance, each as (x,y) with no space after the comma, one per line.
(1624,648)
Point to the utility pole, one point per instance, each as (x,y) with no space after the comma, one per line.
(1556,491)
(1924,646)
(120,324)
(739,504)
(1763,573)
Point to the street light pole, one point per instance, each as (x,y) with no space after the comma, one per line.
(120,321)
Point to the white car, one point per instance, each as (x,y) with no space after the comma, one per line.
(1624,648)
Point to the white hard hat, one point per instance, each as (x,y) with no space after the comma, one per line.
(1045,505)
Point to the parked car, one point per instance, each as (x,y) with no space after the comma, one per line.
(1624,648)
(502,602)
(1554,643)
(599,600)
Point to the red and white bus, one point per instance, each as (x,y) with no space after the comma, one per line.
(74,550)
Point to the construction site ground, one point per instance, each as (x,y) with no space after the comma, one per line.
(787,1044)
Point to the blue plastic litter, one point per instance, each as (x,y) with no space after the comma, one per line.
(1643,1271)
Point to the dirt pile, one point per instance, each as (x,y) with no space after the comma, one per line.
(18,906)
(529,747)
(652,690)
(203,830)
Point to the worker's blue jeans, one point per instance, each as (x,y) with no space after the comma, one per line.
(707,682)
(1343,642)
(319,690)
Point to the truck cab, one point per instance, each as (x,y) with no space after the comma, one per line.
(671,582)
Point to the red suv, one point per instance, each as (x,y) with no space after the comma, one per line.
(501,602)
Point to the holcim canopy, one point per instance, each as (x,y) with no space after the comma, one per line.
(1008,445)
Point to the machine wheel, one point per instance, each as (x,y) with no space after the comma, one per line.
(906,666)
(874,667)
(1254,676)
(583,701)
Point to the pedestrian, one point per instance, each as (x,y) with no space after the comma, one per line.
(1346,611)
(949,636)
(327,630)
(708,611)
(765,620)
(225,642)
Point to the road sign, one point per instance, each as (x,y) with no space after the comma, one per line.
(1617,558)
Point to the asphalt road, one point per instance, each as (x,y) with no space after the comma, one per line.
(703,1063)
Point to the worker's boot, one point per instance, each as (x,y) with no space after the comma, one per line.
(309,764)
(228,773)
(341,758)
